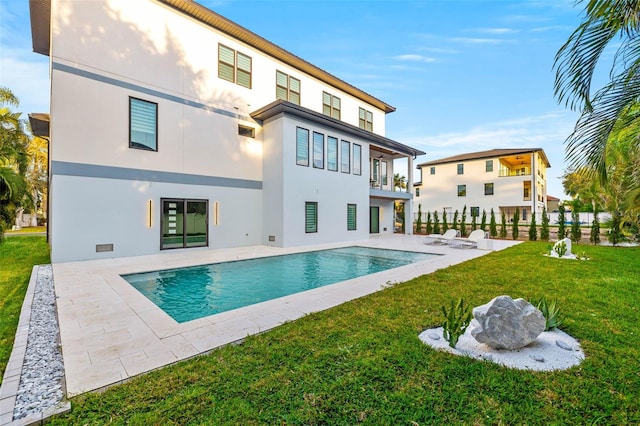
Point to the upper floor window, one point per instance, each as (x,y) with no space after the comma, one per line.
(287,88)
(357,159)
(488,189)
(417,192)
(488,166)
(143,124)
(345,157)
(234,66)
(460,169)
(432,170)
(330,105)
(318,150)
(365,119)
(332,153)
(302,146)
(462,190)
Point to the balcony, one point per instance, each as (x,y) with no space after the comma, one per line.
(515,165)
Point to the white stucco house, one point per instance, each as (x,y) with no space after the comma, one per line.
(172,127)
(502,179)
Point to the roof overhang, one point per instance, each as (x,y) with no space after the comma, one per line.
(493,153)
(40,12)
(39,123)
(283,107)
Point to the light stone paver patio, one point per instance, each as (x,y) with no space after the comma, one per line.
(110,332)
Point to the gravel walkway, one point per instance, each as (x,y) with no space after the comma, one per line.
(43,370)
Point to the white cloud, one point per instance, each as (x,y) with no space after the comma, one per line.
(478,40)
(27,76)
(497,30)
(415,58)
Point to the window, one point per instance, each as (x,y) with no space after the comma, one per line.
(375,172)
(462,190)
(432,170)
(310,217)
(318,150)
(246,131)
(302,146)
(183,223)
(383,174)
(475,211)
(143,124)
(351,217)
(287,88)
(365,119)
(460,169)
(234,66)
(332,153)
(488,189)
(417,192)
(357,159)
(488,167)
(330,105)
(345,158)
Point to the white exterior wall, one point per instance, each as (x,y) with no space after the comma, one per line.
(289,186)
(104,52)
(441,190)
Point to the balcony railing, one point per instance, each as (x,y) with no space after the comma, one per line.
(508,173)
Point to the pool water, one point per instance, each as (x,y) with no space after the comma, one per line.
(189,293)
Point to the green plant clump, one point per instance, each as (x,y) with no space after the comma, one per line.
(560,248)
(419,220)
(456,321)
(550,312)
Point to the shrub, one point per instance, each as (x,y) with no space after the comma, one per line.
(456,321)
(544,231)
(474,225)
(493,228)
(561,231)
(419,220)
(576,233)
(595,229)
(503,227)
(533,228)
(429,224)
(483,222)
(463,224)
(445,225)
(515,231)
(550,312)
(436,223)
(455,220)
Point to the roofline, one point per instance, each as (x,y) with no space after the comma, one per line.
(41,34)
(485,154)
(280,106)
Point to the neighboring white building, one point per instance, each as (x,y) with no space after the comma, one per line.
(502,179)
(173,127)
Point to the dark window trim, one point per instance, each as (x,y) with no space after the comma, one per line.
(363,123)
(487,167)
(184,202)
(359,159)
(432,170)
(313,139)
(288,88)
(142,147)
(342,142)
(464,189)
(337,153)
(251,131)
(331,107)
(492,188)
(355,219)
(235,66)
(306,221)
(308,151)
(460,168)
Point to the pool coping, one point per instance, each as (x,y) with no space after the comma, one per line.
(110,332)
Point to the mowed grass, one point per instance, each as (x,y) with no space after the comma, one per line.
(362,362)
(17,257)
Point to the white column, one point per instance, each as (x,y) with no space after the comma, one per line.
(408,204)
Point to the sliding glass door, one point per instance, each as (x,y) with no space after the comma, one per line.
(184,223)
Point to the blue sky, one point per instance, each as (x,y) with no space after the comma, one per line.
(464,75)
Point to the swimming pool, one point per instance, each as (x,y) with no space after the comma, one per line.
(189,293)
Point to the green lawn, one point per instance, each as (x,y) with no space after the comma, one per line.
(17,257)
(362,362)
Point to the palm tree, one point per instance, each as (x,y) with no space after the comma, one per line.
(13,158)
(399,182)
(605,22)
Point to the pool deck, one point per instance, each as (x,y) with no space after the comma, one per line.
(110,332)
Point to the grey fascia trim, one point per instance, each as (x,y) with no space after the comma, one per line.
(129,86)
(108,172)
(280,106)
(397,195)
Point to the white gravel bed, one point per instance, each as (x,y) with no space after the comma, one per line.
(552,350)
(43,370)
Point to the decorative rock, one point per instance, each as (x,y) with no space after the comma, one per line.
(433,336)
(564,345)
(504,323)
(538,358)
(568,254)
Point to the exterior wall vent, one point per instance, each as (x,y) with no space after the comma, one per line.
(100,248)
(272,238)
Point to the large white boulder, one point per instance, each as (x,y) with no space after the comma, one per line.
(505,323)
